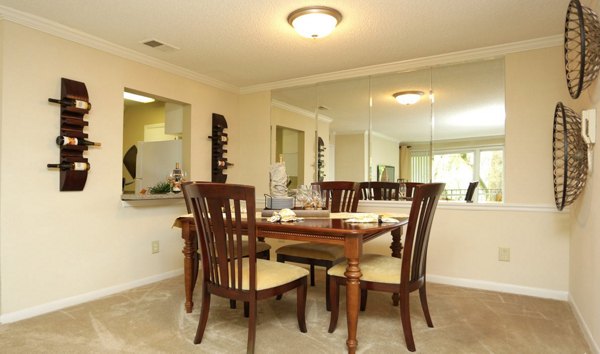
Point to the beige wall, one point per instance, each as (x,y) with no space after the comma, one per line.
(534,84)
(58,245)
(351,154)
(584,266)
(384,152)
(253,150)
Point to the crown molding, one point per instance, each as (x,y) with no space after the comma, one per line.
(412,64)
(385,137)
(71,34)
(301,111)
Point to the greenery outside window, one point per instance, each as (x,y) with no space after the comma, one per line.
(457,168)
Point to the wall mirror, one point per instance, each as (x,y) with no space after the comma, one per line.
(453,133)
(153,139)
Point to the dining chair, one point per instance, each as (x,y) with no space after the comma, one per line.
(410,188)
(263,250)
(380,190)
(470,191)
(397,275)
(218,210)
(339,196)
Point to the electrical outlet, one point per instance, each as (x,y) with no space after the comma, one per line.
(155,247)
(504,254)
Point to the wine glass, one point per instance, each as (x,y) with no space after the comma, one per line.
(402,191)
(317,198)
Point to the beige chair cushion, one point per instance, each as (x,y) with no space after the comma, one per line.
(313,250)
(271,274)
(375,268)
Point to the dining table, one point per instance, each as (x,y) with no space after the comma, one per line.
(336,228)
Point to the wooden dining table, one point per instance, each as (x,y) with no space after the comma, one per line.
(328,230)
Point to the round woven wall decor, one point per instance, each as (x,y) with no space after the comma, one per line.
(582,47)
(569,153)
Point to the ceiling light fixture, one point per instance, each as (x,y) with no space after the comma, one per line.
(315,21)
(408,97)
(138,98)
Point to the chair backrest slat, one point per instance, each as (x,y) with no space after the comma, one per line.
(410,188)
(340,196)
(219,216)
(380,190)
(471,191)
(414,257)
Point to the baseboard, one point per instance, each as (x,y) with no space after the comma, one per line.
(79,299)
(584,328)
(501,287)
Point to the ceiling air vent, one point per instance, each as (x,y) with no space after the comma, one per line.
(154,43)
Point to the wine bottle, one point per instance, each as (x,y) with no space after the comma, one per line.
(67,140)
(177,174)
(219,137)
(69,102)
(73,166)
(224,164)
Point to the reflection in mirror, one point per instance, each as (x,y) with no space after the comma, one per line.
(468,140)
(153,130)
(456,138)
(401,133)
(289,145)
(343,124)
(293,110)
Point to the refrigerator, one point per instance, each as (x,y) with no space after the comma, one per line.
(155,161)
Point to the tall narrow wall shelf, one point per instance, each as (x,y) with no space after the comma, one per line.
(219,143)
(321,159)
(74,104)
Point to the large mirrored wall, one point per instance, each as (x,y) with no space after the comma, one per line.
(354,129)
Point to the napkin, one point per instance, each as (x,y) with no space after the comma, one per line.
(284,215)
(370,217)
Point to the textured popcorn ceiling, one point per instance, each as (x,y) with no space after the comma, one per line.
(249,42)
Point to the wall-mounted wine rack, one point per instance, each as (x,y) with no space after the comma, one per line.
(320,159)
(219,143)
(74,104)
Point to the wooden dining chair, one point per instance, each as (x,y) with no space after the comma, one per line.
(263,250)
(410,188)
(227,271)
(380,190)
(397,275)
(340,196)
(471,191)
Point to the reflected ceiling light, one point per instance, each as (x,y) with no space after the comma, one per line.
(314,21)
(138,98)
(408,97)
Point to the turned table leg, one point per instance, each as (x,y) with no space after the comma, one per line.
(353,274)
(189,258)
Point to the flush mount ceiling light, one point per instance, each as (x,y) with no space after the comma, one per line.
(314,21)
(138,98)
(408,97)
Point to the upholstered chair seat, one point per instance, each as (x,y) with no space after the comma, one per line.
(374,268)
(271,274)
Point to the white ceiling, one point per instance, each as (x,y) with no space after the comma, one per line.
(244,43)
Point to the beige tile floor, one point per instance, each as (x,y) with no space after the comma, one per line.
(151,319)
